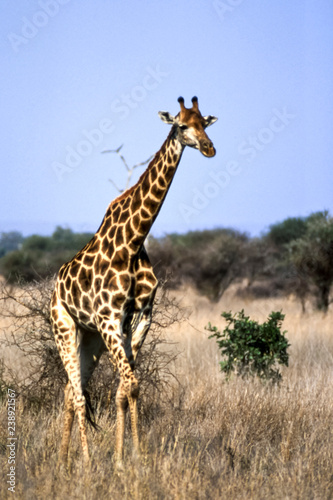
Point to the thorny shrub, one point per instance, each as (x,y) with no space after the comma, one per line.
(39,377)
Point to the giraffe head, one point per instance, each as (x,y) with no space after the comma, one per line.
(189,127)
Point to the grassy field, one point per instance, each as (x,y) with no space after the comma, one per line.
(209,439)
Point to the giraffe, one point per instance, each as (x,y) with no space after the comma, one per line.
(103,297)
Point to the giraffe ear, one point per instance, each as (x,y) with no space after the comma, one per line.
(209,120)
(166,117)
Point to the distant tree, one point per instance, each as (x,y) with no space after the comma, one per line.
(40,256)
(9,242)
(284,232)
(63,240)
(17,264)
(256,259)
(63,236)
(218,263)
(36,243)
(209,259)
(312,255)
(279,236)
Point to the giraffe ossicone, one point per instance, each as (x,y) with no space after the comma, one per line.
(103,297)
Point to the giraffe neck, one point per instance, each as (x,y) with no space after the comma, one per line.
(130,216)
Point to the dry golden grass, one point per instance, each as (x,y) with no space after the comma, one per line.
(212,439)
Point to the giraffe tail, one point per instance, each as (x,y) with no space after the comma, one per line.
(90,416)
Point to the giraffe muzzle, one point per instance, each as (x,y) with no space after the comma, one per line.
(207,149)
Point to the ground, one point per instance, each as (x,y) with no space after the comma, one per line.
(212,439)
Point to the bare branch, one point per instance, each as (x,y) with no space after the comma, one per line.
(130,170)
(115,185)
(38,374)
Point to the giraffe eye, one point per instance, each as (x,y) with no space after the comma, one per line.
(183,127)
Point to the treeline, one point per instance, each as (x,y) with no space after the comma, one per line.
(294,256)
(37,257)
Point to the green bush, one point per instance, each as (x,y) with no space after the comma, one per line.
(250,348)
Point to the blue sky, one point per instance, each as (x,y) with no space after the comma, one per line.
(82,77)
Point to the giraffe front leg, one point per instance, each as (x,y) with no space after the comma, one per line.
(128,390)
(68,424)
(65,332)
(122,403)
(134,423)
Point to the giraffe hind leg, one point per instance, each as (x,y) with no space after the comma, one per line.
(90,347)
(72,344)
(137,329)
(69,414)
(123,401)
(68,423)
(128,390)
